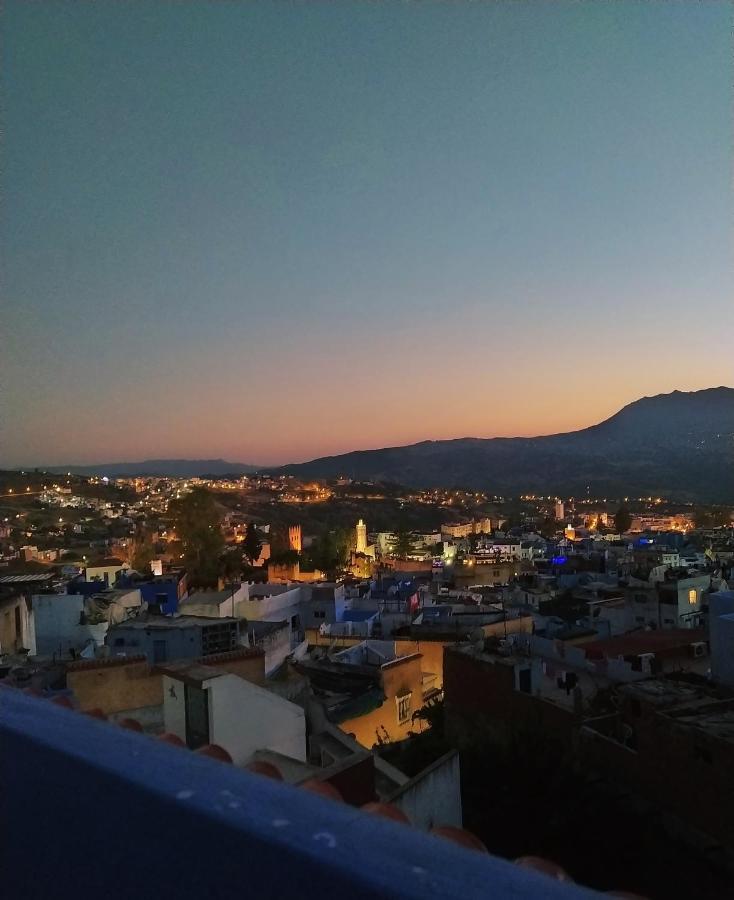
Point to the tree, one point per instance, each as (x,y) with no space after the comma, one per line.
(230,563)
(252,545)
(404,543)
(198,525)
(711,518)
(622,520)
(701,518)
(550,527)
(330,551)
(142,551)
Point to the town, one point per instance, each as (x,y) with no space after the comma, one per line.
(380,644)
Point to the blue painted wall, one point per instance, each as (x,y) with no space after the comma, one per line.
(93,809)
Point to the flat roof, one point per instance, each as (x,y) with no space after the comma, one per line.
(717,723)
(194,673)
(165,622)
(644,642)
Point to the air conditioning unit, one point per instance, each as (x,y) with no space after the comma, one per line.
(699,648)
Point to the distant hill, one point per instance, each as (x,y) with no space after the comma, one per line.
(173,468)
(678,445)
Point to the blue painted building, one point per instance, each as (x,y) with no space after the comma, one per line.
(164,638)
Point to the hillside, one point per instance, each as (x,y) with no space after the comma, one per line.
(678,445)
(173,468)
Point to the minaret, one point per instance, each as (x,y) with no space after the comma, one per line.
(361,537)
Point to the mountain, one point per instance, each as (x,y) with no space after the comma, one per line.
(172,468)
(678,445)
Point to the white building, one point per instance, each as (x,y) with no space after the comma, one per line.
(205,705)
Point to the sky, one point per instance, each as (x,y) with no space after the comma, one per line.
(268,232)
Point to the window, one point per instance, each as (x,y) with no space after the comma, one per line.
(319,614)
(692,597)
(403,708)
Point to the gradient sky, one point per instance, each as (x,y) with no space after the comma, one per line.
(269,232)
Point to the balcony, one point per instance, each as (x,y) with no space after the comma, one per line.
(86,806)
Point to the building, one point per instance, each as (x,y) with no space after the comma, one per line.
(123,687)
(106,570)
(164,638)
(69,625)
(217,604)
(370,691)
(455,530)
(721,637)
(273,602)
(166,590)
(16,627)
(274,639)
(204,705)
(559,511)
(326,605)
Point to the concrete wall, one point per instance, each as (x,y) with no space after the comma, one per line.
(434,796)
(56,624)
(174,706)
(244,718)
(118,685)
(16,625)
(276,646)
(281,604)
(400,677)
(181,643)
(114,685)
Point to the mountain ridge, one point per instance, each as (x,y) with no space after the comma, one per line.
(678,445)
(180,468)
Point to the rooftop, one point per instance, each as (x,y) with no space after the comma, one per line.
(147,621)
(716,720)
(644,642)
(217,597)
(191,672)
(30,578)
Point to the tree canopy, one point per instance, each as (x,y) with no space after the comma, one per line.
(622,520)
(143,551)
(252,545)
(404,543)
(197,521)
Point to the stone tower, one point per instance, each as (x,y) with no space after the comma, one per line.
(294,538)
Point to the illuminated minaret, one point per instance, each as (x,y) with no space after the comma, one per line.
(361,537)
